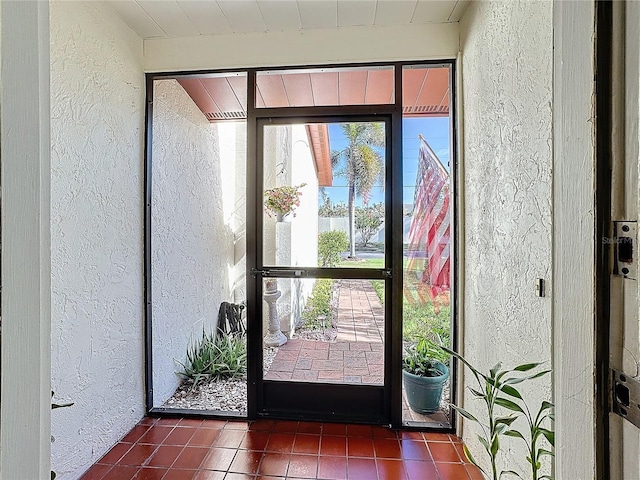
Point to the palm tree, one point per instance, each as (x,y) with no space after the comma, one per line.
(361,165)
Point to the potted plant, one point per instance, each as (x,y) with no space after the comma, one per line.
(281,201)
(424,374)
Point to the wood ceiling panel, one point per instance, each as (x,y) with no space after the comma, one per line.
(139,20)
(195,89)
(380,87)
(412,82)
(220,90)
(459,10)
(444,105)
(243,16)
(239,87)
(425,91)
(394,12)
(271,87)
(435,87)
(170,17)
(298,87)
(280,15)
(430,11)
(325,88)
(352,86)
(318,13)
(206,16)
(357,13)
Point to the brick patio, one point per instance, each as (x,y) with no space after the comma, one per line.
(357,355)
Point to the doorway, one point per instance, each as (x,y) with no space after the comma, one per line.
(323,317)
(332,294)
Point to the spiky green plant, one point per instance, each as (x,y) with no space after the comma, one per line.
(212,358)
(497,392)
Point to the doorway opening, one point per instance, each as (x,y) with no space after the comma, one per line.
(310,213)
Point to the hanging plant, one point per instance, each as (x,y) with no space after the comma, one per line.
(281,201)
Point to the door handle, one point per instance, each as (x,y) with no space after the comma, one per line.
(262,272)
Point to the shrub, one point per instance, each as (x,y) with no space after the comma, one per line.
(215,359)
(331,244)
(378,286)
(369,219)
(319,304)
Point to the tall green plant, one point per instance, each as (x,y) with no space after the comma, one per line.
(331,244)
(361,164)
(369,219)
(497,392)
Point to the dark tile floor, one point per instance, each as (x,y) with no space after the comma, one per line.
(189,449)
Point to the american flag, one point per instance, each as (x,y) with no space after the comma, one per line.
(429,233)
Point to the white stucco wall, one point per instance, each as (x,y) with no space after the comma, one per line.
(232,137)
(288,161)
(304,227)
(97,115)
(507,93)
(192,231)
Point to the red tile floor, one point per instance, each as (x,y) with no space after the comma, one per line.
(186,449)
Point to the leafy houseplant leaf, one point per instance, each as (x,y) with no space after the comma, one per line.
(464,413)
(526,367)
(510,391)
(544,451)
(495,445)
(467,454)
(503,402)
(510,472)
(514,433)
(549,435)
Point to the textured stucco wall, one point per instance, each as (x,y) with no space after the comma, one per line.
(232,137)
(192,231)
(507,87)
(304,227)
(288,161)
(97,115)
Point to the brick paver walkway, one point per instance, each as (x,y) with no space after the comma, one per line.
(357,354)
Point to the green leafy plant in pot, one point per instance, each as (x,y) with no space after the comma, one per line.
(424,373)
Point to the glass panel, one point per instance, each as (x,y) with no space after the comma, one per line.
(427,207)
(197,253)
(324,330)
(307,195)
(325,87)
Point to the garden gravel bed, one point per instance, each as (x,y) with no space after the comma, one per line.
(228,395)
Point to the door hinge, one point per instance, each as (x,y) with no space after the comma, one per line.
(625,242)
(625,395)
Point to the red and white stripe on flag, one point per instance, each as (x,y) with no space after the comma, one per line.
(430,232)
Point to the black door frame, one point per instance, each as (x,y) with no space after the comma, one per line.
(393,349)
(318,400)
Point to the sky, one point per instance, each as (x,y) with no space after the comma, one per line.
(434,129)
